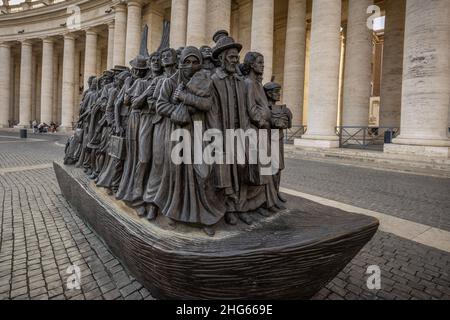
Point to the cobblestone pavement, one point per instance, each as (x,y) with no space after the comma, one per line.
(421,199)
(41,236)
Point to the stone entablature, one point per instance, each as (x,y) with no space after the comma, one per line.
(55,19)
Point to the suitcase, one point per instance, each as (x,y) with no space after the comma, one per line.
(117,147)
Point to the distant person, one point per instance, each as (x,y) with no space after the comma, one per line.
(34,125)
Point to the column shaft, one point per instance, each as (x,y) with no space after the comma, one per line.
(324,75)
(120,33)
(426,75)
(178,23)
(25,84)
(134,28)
(68,83)
(47,81)
(358,65)
(90,57)
(5,85)
(262,33)
(196,23)
(392,70)
(110,59)
(294,67)
(218,18)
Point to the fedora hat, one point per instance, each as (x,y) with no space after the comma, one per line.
(140,62)
(225,43)
(119,69)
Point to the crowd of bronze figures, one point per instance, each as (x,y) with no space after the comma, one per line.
(122,139)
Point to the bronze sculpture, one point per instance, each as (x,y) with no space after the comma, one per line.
(134,138)
(179,89)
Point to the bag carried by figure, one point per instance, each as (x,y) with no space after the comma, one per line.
(73,147)
(117,147)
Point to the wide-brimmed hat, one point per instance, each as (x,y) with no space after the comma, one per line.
(220,34)
(108,74)
(140,62)
(271,86)
(119,68)
(223,44)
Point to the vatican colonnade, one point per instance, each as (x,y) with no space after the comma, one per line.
(330,60)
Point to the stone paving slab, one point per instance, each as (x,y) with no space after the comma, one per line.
(421,199)
(41,237)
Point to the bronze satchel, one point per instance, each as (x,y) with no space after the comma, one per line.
(117,147)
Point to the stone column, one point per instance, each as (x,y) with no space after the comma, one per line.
(90,56)
(392,70)
(110,62)
(5,84)
(47,80)
(120,33)
(294,67)
(262,33)
(426,81)
(358,65)
(68,83)
(134,29)
(178,23)
(324,75)
(218,18)
(25,84)
(196,23)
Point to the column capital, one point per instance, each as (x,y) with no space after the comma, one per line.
(26,43)
(47,40)
(69,36)
(136,3)
(91,32)
(5,45)
(111,24)
(120,7)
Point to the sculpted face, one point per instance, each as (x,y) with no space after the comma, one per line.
(155,63)
(206,52)
(168,58)
(230,59)
(258,66)
(190,66)
(108,80)
(138,73)
(275,94)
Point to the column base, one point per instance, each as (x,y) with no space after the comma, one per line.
(422,151)
(322,142)
(22,126)
(4,126)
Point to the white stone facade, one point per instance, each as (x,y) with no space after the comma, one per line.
(323,53)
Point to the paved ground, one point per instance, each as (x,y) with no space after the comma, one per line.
(412,197)
(41,236)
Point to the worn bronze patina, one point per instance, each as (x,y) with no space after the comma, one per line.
(138,168)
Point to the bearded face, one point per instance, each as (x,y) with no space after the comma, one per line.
(229,60)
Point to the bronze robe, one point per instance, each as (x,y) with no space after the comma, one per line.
(230,111)
(191,196)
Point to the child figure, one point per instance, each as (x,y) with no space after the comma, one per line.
(281,119)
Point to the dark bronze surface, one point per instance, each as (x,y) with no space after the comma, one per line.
(290,255)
